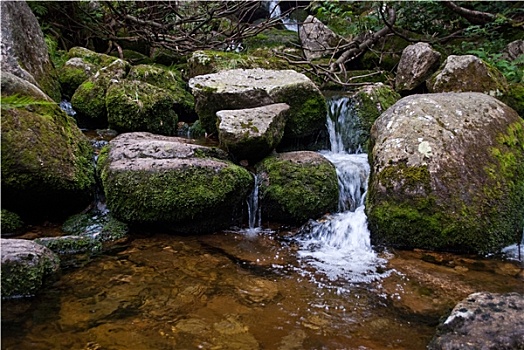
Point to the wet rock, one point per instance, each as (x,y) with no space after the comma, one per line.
(248,88)
(317,39)
(417,63)
(444,184)
(158,180)
(23,48)
(134,105)
(89,99)
(483,321)
(102,227)
(257,290)
(73,73)
(252,133)
(47,166)
(26,266)
(70,244)
(297,186)
(170,80)
(467,73)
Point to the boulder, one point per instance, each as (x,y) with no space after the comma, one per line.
(417,63)
(134,105)
(252,133)
(73,73)
(447,174)
(23,48)
(47,163)
(467,73)
(26,267)
(170,80)
(317,39)
(487,321)
(513,50)
(165,182)
(248,88)
(99,60)
(89,99)
(297,186)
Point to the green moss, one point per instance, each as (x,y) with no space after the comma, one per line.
(71,78)
(138,106)
(102,228)
(11,222)
(98,59)
(89,101)
(294,193)
(515,98)
(71,244)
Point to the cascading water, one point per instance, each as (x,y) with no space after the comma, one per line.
(338,246)
(254,215)
(275,12)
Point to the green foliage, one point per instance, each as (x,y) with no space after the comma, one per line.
(512,70)
(17,101)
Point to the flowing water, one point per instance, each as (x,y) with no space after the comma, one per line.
(323,287)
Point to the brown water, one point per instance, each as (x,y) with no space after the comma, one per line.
(229,291)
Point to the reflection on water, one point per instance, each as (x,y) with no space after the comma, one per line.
(228,291)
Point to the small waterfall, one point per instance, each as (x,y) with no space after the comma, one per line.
(254,214)
(275,12)
(339,245)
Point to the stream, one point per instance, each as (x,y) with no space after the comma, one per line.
(320,287)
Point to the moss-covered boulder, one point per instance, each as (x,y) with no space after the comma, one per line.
(100,60)
(297,186)
(248,88)
(165,182)
(252,133)
(89,99)
(467,73)
(47,163)
(133,105)
(64,245)
(447,174)
(73,73)
(11,223)
(26,267)
(24,51)
(170,80)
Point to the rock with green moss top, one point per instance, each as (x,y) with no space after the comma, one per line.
(134,105)
(248,88)
(134,57)
(73,73)
(468,73)
(65,245)
(162,181)
(252,133)
(297,186)
(170,80)
(447,174)
(207,62)
(515,98)
(26,267)
(100,60)
(24,50)
(102,227)
(11,222)
(89,100)
(47,163)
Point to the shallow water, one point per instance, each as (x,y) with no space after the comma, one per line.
(233,290)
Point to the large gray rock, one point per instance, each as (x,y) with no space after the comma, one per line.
(297,186)
(252,133)
(23,48)
(47,163)
(467,73)
(25,267)
(248,88)
(417,63)
(486,321)
(447,174)
(164,181)
(317,39)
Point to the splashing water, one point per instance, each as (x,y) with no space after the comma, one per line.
(338,246)
(254,215)
(275,12)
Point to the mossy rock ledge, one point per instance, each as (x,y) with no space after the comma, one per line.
(249,88)
(297,186)
(447,173)
(26,267)
(47,163)
(163,182)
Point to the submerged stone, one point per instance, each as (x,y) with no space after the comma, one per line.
(297,186)
(26,266)
(447,174)
(164,181)
(248,88)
